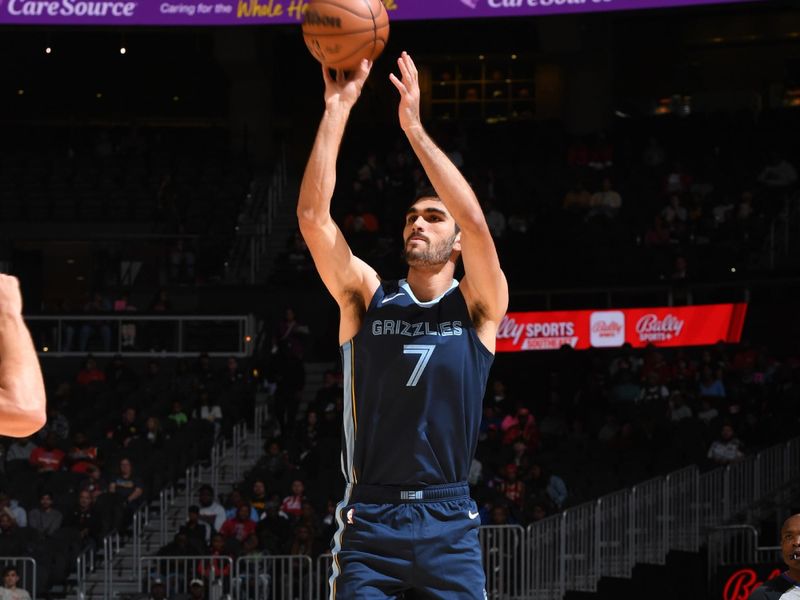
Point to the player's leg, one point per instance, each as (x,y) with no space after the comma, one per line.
(371,552)
(448,553)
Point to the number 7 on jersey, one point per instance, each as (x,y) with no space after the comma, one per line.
(425,352)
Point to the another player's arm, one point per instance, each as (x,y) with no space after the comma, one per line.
(349,279)
(22,395)
(484,284)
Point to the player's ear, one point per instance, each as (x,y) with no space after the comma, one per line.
(457,242)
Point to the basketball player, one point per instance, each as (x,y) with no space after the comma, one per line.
(787,585)
(416,356)
(22,397)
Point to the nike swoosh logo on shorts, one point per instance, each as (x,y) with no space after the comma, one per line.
(388,299)
(472,515)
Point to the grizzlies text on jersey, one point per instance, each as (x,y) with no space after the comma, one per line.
(414,375)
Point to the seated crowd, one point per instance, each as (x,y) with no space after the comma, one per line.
(599,421)
(127,436)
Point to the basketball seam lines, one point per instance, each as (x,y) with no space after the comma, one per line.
(374,28)
(348,9)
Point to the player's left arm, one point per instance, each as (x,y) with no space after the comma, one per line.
(484,285)
(22,395)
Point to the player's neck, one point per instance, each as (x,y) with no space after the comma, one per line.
(430,283)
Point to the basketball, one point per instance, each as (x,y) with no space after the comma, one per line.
(340,33)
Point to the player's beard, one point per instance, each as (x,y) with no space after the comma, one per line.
(430,255)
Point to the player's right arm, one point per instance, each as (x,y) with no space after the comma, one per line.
(22,395)
(349,279)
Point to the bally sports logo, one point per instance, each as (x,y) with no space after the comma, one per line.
(652,329)
(607,329)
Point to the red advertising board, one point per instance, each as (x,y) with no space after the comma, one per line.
(664,326)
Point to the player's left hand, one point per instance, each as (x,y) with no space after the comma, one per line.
(409,92)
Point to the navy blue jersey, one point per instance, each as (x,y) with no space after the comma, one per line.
(415,375)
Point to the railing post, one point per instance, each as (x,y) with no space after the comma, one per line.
(726,494)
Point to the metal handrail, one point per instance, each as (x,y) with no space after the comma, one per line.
(243,328)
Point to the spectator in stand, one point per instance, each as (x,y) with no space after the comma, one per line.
(292,505)
(90,373)
(361,222)
(208,411)
(234,500)
(707,412)
(778,174)
(727,448)
(303,543)
(309,519)
(658,234)
(99,304)
(549,484)
(177,415)
(85,520)
(129,489)
(11,507)
(680,269)
(251,547)
(711,383)
(120,376)
(154,434)
(20,450)
(158,591)
(653,391)
(678,409)
(675,216)
(45,519)
(259,497)
(196,528)
(197,590)
(512,489)
(215,567)
(241,526)
(500,515)
(577,200)
(211,511)
(274,527)
(677,180)
(12,541)
(57,423)
(10,591)
(82,455)
(48,458)
(127,429)
(181,263)
(605,203)
(94,483)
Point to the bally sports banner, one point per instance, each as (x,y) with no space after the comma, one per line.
(666,326)
(267,12)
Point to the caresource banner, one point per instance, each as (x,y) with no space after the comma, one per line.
(265,12)
(640,327)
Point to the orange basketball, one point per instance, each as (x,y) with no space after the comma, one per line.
(339,33)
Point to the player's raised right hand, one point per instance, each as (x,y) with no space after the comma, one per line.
(343,91)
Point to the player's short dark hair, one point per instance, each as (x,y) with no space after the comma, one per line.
(205,488)
(426,192)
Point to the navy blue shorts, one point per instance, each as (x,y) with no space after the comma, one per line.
(405,543)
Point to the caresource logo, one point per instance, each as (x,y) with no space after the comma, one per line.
(607,329)
(71,8)
(652,329)
(470,3)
